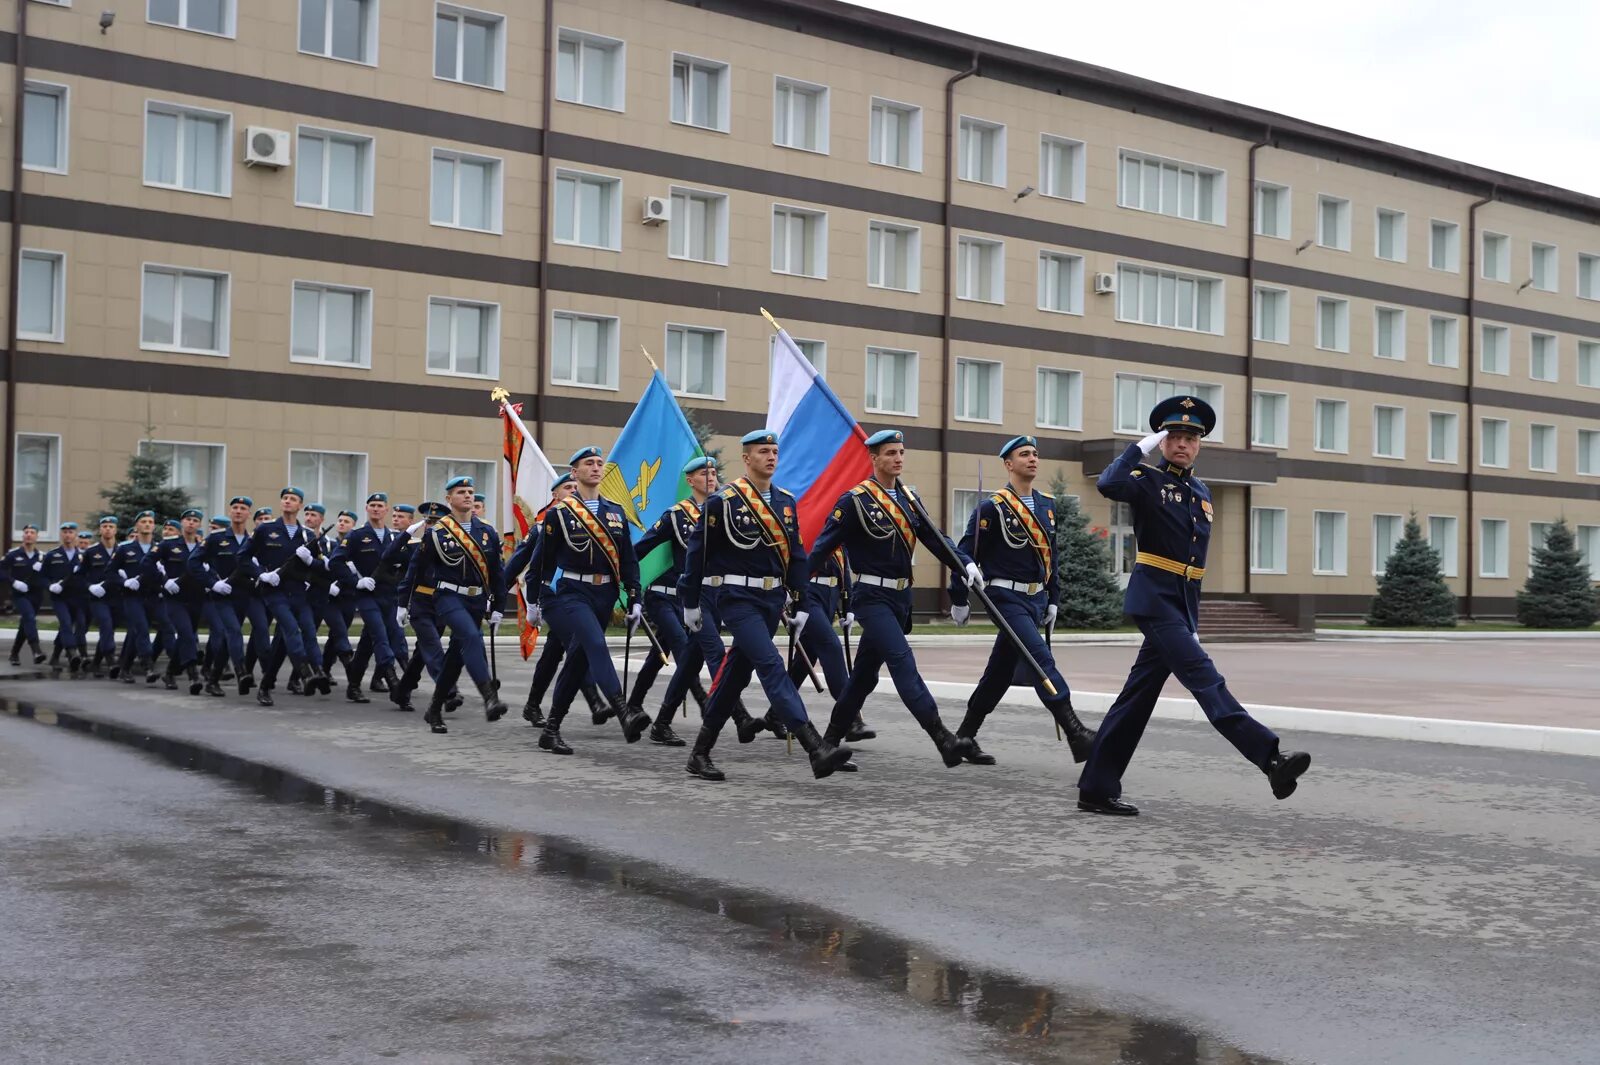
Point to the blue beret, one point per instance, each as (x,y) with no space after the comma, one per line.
(378,497)
(69,525)
(699,462)
(110,519)
(886,436)
(565,478)
(145,514)
(262,512)
(171,523)
(590,452)
(291,490)
(317,508)
(30,525)
(246,500)
(193,512)
(218,521)
(406,508)
(1016,442)
(459,482)
(760,436)
(1188,413)
(434,510)
(348,514)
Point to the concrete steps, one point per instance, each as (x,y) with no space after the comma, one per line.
(1244,621)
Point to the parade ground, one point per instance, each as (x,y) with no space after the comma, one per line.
(366,891)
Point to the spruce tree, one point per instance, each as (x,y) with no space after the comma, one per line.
(1090,596)
(1559,593)
(145,488)
(703,433)
(1412,591)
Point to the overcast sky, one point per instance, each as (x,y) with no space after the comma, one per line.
(1512,86)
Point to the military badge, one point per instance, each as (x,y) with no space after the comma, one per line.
(1205,505)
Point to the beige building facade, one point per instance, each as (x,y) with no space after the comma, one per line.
(302,240)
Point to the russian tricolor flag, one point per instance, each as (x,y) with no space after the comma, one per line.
(821,450)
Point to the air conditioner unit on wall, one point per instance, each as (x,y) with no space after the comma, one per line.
(1105,283)
(657,209)
(266,147)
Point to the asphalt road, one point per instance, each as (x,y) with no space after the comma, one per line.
(1412,903)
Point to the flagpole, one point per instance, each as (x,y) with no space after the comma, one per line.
(653,365)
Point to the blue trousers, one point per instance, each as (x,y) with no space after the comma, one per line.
(464,618)
(1026,614)
(72,618)
(663,612)
(135,613)
(223,618)
(545,670)
(27,617)
(375,622)
(103,618)
(295,625)
(430,646)
(578,614)
(884,616)
(819,640)
(1170,649)
(330,611)
(751,617)
(183,639)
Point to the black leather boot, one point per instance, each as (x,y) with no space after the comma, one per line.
(859,731)
(633,720)
(453,701)
(951,748)
(746,726)
(771,723)
(169,678)
(16,650)
(195,683)
(264,694)
(324,683)
(599,712)
(435,715)
(296,686)
(55,655)
(38,652)
(354,694)
(1080,738)
(97,666)
(697,690)
(1284,772)
(493,708)
(214,682)
(661,732)
(826,758)
(532,714)
(399,694)
(245,677)
(700,763)
(550,738)
(969,732)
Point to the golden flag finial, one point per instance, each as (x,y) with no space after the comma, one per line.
(770,320)
(499,395)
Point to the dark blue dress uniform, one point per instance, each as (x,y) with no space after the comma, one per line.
(1172,522)
(673,528)
(137,596)
(216,561)
(181,602)
(394,571)
(63,576)
(97,573)
(360,557)
(19,568)
(274,548)
(828,586)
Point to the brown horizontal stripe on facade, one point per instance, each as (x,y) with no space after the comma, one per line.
(1095,347)
(1446,480)
(1362,380)
(1572,407)
(1057,233)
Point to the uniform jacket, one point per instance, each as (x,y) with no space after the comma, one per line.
(68,572)
(169,560)
(997,538)
(218,559)
(870,537)
(1172,517)
(438,557)
(271,547)
(566,545)
(128,562)
(361,553)
(674,527)
(95,564)
(729,540)
(18,566)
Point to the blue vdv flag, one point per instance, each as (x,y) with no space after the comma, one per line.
(644,472)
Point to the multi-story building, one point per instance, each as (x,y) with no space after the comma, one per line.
(300,240)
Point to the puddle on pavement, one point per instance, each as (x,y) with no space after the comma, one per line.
(1034,1022)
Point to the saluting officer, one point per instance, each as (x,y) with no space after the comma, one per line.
(69,591)
(879,529)
(1012,536)
(22,564)
(96,569)
(215,565)
(745,560)
(1172,516)
(268,555)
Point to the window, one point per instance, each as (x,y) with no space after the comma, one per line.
(202,16)
(340,29)
(963,501)
(1442,538)
(1589,363)
(1538,533)
(184,310)
(1269,540)
(336,479)
(1271,419)
(800,115)
(1494,442)
(1272,315)
(1589,548)
(195,468)
(1165,298)
(1546,267)
(1542,448)
(1329,543)
(980,270)
(466,191)
(1060,282)
(36,484)
(1165,186)
(982,148)
(894,256)
(1389,340)
(44,127)
(1333,426)
(584,350)
(1589,452)
(41,297)
(896,135)
(1443,436)
(1544,357)
(695,361)
(978,395)
(1391,235)
(1494,547)
(1444,246)
(1060,399)
(891,381)
(333,171)
(588,210)
(187,149)
(1333,324)
(699,226)
(1389,432)
(1386,532)
(463,338)
(331,325)
(1135,396)
(1495,356)
(468,46)
(1272,210)
(1333,223)
(436,473)
(590,69)
(1444,343)
(1589,276)
(700,93)
(1496,257)
(1060,167)
(799,242)
(815,352)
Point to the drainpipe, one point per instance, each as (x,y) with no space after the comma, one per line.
(1472,395)
(1250,337)
(945,361)
(13,294)
(547,107)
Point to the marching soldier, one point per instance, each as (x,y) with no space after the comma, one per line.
(416,609)
(127,562)
(215,565)
(878,528)
(22,565)
(745,560)
(1012,536)
(357,561)
(268,555)
(1172,515)
(323,592)
(96,567)
(826,593)
(63,575)
(181,605)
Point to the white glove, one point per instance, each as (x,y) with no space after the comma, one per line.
(635,612)
(1050,617)
(849,622)
(97,590)
(132,584)
(171,587)
(270,578)
(304,554)
(38,567)
(535,615)
(691,618)
(222,588)
(366,584)
(55,588)
(415,527)
(800,619)
(21,586)
(402,616)
(974,576)
(960,614)
(1150,443)
(495,619)
(333,590)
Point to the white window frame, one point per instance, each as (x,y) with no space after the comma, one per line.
(913,114)
(581,177)
(1219,186)
(1280,546)
(58,334)
(1378,313)
(1341,426)
(1341,553)
(1588,353)
(1555,447)
(998,157)
(1080,161)
(720,201)
(1378,215)
(1341,326)
(818,237)
(1280,422)
(1190,386)
(315,495)
(225,163)
(50,528)
(967,245)
(374,17)
(462,13)
(1587,469)
(1589,551)
(1538,533)
(63,95)
(613,335)
(720,355)
(1555,266)
(997,403)
(1502,560)
(1280,318)
(493,352)
(224,311)
(1500,261)
(1554,342)
(1483,456)
(1400,436)
(457,156)
(1453,361)
(1592,261)
(1452,454)
(820,364)
(429,492)
(1449,562)
(1064,260)
(824,103)
(1283,221)
(619,67)
(1076,414)
(1340,240)
(913,263)
(914,380)
(220,489)
(366,294)
(230,19)
(1502,331)
(1218,296)
(1380,564)
(327,135)
(724,91)
(1452,250)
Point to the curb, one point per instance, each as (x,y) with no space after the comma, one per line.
(1446,634)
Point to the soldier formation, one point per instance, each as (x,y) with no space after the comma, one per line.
(739,571)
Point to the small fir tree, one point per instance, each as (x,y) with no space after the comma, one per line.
(1412,592)
(1090,597)
(1559,593)
(145,488)
(704,434)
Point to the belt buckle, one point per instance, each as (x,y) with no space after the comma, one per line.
(768,583)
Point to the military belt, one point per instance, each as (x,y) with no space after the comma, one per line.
(587,578)
(766,584)
(1016,586)
(899,584)
(663,589)
(1193,573)
(826,582)
(469,590)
